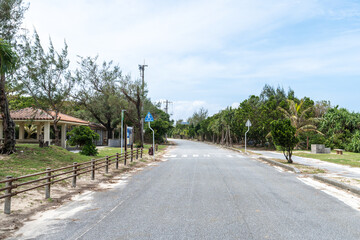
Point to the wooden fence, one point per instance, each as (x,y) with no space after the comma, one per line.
(47,178)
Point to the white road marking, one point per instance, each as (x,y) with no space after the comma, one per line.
(195,155)
(184,155)
(347,198)
(206,155)
(240,156)
(229,156)
(169,155)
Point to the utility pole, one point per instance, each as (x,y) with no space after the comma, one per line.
(142,74)
(167,102)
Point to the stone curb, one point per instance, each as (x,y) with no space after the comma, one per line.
(341,185)
(293,169)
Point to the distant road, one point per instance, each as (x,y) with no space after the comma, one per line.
(204,192)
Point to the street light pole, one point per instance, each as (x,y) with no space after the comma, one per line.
(122,131)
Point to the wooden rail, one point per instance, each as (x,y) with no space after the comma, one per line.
(47,178)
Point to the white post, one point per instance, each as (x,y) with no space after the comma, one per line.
(122,131)
(38,131)
(21,131)
(63,135)
(47,132)
(248,124)
(153,141)
(245,137)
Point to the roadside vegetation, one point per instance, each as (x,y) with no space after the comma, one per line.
(314,122)
(30,158)
(40,77)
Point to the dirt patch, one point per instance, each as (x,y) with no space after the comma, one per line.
(27,204)
(350,181)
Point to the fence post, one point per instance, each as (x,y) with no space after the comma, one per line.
(74,175)
(107,165)
(141,150)
(7,205)
(117,161)
(48,181)
(132,152)
(92,169)
(137,153)
(125,158)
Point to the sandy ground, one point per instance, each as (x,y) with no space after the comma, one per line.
(26,206)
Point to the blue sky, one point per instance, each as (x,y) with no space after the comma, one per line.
(214,53)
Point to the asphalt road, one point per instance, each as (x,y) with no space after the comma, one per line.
(203,192)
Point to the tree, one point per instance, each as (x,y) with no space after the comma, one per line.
(99,91)
(46,78)
(300,118)
(283,134)
(30,130)
(84,137)
(132,91)
(8,60)
(339,125)
(354,144)
(297,115)
(11,16)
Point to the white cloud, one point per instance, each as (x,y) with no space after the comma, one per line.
(215,51)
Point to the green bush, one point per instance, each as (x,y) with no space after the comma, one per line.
(283,135)
(84,137)
(354,145)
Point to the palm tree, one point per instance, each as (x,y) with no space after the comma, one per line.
(30,130)
(8,60)
(298,118)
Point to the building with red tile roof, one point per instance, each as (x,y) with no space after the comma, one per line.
(42,120)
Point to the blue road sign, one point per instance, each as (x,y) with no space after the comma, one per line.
(149,117)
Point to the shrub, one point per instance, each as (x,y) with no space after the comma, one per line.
(283,135)
(84,137)
(354,145)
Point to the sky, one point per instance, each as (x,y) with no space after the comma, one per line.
(215,53)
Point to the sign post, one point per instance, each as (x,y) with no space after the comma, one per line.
(122,131)
(149,118)
(248,124)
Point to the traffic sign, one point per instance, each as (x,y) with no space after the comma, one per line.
(149,117)
(248,123)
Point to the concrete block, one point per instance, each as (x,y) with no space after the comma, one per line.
(319,148)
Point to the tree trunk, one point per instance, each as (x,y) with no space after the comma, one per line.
(307,142)
(222,137)
(57,133)
(226,137)
(230,139)
(8,123)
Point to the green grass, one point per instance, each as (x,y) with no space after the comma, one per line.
(30,158)
(348,158)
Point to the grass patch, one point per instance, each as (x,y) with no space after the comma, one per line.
(348,158)
(30,158)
